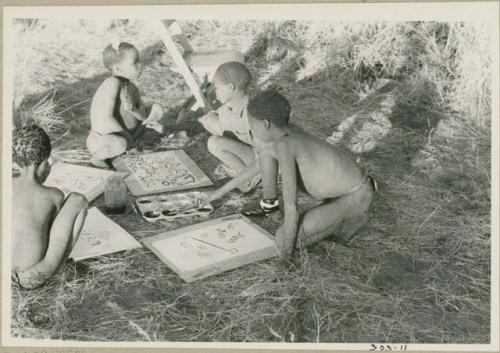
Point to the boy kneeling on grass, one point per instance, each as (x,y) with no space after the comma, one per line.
(231,142)
(45,225)
(313,165)
(116,108)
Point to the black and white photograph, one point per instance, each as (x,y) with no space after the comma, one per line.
(243,174)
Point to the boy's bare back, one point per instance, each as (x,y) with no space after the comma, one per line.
(325,171)
(109,106)
(34,209)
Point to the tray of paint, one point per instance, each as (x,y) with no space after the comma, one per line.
(171,206)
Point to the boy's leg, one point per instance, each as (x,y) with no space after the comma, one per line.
(235,154)
(341,217)
(104,147)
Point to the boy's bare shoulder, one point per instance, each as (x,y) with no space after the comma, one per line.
(287,144)
(55,195)
(111,85)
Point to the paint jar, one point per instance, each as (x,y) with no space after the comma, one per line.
(115,195)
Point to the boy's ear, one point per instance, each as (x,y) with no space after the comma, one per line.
(43,170)
(232,87)
(267,123)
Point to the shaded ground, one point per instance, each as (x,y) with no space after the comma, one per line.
(413,274)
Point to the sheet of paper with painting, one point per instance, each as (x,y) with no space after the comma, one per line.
(212,247)
(157,172)
(101,236)
(77,178)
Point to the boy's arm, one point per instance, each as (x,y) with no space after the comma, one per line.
(61,238)
(211,123)
(250,171)
(285,241)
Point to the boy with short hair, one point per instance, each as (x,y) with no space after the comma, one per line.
(320,169)
(45,226)
(231,81)
(116,109)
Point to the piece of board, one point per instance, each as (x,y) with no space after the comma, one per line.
(158,172)
(212,247)
(101,236)
(172,206)
(77,178)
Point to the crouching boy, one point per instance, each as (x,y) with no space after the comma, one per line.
(230,141)
(45,225)
(320,169)
(313,165)
(116,108)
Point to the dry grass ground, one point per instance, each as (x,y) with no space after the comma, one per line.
(418,272)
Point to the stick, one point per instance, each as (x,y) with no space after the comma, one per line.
(216,246)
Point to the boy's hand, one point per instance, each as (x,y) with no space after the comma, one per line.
(155,126)
(210,115)
(202,200)
(155,114)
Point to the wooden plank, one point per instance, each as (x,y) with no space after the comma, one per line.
(212,247)
(182,66)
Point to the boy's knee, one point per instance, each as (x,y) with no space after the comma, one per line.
(119,147)
(215,144)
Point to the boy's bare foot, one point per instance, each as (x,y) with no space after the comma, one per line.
(99,163)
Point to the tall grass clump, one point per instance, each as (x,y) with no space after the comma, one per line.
(53,52)
(452,56)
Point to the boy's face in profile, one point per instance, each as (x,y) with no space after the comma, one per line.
(259,129)
(223,91)
(129,67)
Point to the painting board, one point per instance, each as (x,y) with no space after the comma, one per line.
(77,178)
(152,173)
(212,247)
(101,236)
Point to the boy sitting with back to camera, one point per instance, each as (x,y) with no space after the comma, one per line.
(313,165)
(116,108)
(45,225)
(231,142)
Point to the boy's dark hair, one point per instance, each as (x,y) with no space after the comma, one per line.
(111,56)
(30,146)
(234,72)
(270,105)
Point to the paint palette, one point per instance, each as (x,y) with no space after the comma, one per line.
(172,206)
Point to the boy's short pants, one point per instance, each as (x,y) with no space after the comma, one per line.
(105,146)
